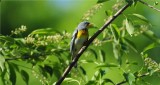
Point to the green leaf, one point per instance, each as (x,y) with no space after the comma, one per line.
(25,76)
(150,71)
(102,55)
(12,75)
(83,70)
(47,31)
(109,12)
(87,61)
(134,63)
(96,75)
(130,78)
(6,38)
(156,3)
(117,52)
(56,70)
(91,82)
(102,72)
(150,46)
(150,34)
(129,27)
(115,32)
(101,1)
(94,52)
(107,65)
(123,45)
(141,17)
(2,61)
(106,80)
(69,80)
(130,44)
(48,69)
(2,77)
(42,70)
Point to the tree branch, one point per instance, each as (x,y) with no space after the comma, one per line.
(149,5)
(68,69)
(139,76)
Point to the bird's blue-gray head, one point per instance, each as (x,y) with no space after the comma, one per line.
(83,25)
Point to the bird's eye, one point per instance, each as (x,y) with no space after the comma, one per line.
(87,23)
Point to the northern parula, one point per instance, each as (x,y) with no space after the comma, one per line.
(79,37)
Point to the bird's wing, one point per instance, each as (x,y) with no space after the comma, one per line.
(73,40)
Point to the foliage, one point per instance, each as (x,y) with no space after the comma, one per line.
(44,54)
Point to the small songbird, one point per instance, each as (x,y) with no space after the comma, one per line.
(79,37)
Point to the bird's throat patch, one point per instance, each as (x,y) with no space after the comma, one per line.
(82,33)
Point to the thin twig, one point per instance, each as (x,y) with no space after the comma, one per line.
(149,5)
(140,76)
(124,81)
(68,69)
(8,59)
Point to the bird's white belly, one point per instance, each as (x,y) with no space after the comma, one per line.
(79,43)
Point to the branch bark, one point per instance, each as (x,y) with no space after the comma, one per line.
(68,69)
(139,76)
(149,5)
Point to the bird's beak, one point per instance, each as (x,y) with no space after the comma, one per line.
(90,25)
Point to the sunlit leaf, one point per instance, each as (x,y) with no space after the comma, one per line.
(150,71)
(129,27)
(105,32)
(69,80)
(115,32)
(130,78)
(96,75)
(43,31)
(102,55)
(117,52)
(150,46)
(141,17)
(25,76)
(107,65)
(87,61)
(2,61)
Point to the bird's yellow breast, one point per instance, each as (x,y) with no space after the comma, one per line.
(82,33)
